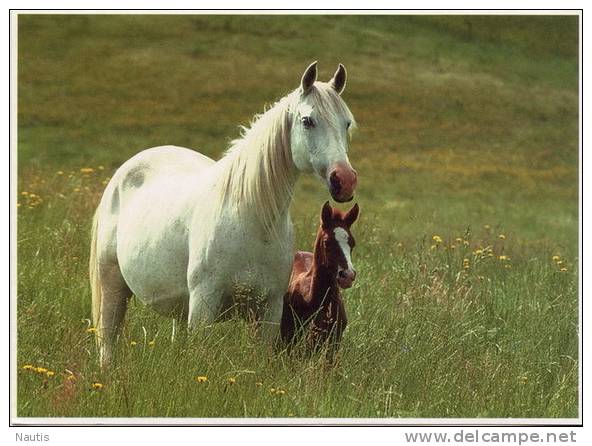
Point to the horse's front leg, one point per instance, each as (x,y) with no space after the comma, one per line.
(270,324)
(205,298)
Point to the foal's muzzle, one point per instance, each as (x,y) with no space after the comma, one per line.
(345,278)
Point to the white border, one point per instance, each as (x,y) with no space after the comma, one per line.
(273,11)
(149,421)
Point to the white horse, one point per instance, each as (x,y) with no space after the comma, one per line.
(181,231)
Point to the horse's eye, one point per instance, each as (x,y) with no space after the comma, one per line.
(348,124)
(307,122)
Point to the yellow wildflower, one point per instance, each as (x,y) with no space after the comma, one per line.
(502,237)
(133,343)
(50,373)
(231,381)
(478,252)
(437,238)
(555,258)
(101,167)
(564,269)
(97,386)
(523,379)
(151,343)
(59,172)
(25,193)
(433,247)
(458,240)
(42,370)
(201,379)
(258,383)
(87,170)
(504,257)
(91,330)
(28,367)
(487,227)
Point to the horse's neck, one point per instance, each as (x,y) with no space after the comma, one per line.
(324,276)
(260,175)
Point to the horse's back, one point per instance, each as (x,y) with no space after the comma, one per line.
(161,160)
(155,176)
(302,262)
(301,266)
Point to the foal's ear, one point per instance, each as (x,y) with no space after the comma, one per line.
(326,215)
(352,215)
(339,79)
(309,78)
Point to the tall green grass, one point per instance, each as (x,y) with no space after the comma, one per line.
(468,161)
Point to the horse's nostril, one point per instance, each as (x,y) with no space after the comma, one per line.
(342,274)
(335,183)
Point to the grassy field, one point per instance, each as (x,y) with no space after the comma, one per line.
(466,303)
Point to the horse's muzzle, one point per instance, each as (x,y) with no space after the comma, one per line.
(343,180)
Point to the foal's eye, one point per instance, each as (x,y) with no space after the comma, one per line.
(307,122)
(348,124)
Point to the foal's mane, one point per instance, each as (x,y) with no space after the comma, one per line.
(259,174)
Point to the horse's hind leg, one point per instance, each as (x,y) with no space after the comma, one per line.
(114,297)
(110,293)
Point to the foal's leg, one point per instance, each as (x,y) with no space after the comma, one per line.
(114,297)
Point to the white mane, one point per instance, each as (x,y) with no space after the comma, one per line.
(260,173)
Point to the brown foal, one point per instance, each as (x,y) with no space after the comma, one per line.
(313,307)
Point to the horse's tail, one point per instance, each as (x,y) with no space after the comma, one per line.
(93,268)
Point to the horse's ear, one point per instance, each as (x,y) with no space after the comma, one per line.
(309,78)
(326,215)
(339,79)
(352,215)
